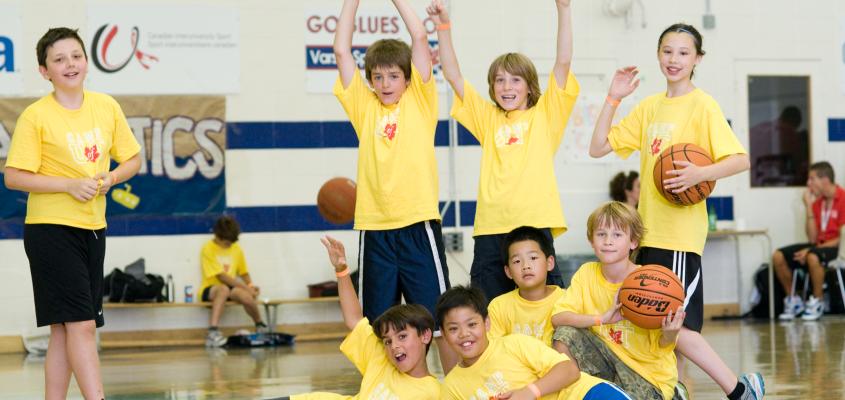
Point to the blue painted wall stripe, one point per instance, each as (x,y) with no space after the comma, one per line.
(315,135)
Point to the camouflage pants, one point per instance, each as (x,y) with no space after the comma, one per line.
(595,358)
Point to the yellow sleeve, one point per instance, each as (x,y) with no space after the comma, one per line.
(723,141)
(557,103)
(534,354)
(319,396)
(355,99)
(241,261)
(210,266)
(425,93)
(573,297)
(473,112)
(626,137)
(498,321)
(362,346)
(124,145)
(25,149)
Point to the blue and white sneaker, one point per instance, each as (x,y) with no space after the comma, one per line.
(813,310)
(755,388)
(793,306)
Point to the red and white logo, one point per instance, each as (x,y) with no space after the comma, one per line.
(104,41)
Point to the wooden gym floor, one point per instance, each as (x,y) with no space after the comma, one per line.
(799,360)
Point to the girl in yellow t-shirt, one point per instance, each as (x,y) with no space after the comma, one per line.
(61,153)
(675,235)
(519,132)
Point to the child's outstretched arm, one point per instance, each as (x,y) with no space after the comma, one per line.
(343,42)
(420,52)
(563,60)
(560,376)
(624,83)
(448,60)
(575,320)
(349,306)
(688,174)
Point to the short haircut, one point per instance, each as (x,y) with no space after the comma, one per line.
(823,170)
(227,228)
(622,182)
(524,233)
(386,53)
(519,65)
(400,316)
(461,296)
(618,214)
(52,36)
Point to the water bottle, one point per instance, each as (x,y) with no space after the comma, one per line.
(170,290)
(189,294)
(712,218)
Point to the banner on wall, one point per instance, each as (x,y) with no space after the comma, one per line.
(163,49)
(372,23)
(579,130)
(11,79)
(183,142)
(842,55)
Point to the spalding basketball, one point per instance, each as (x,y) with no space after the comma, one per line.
(336,200)
(648,294)
(664,164)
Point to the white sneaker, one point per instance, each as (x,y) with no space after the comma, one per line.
(755,387)
(792,307)
(214,338)
(813,310)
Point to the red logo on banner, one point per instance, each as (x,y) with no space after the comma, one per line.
(101,45)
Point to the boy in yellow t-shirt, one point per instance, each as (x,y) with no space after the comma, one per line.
(527,309)
(641,361)
(519,132)
(60,154)
(390,354)
(225,277)
(401,251)
(509,367)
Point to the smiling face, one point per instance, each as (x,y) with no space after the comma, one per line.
(510,91)
(66,65)
(465,331)
(612,244)
(527,265)
(389,83)
(406,349)
(678,56)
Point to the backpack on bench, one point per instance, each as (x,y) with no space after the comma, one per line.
(133,286)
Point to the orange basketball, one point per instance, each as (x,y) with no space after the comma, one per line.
(664,164)
(336,200)
(648,294)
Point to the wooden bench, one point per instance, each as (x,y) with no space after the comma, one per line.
(270,311)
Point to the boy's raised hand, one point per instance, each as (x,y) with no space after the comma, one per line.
(437,12)
(337,253)
(624,82)
(672,324)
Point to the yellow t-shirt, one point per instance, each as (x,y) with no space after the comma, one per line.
(510,313)
(381,379)
(215,259)
(655,124)
(397,171)
(54,141)
(517,185)
(510,363)
(590,293)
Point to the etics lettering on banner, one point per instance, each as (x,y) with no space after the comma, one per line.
(183,143)
(11,79)
(371,24)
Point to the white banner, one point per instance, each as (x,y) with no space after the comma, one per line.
(11,79)
(163,49)
(372,23)
(842,55)
(579,130)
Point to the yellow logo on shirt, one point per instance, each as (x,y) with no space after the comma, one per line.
(86,147)
(509,135)
(535,329)
(494,385)
(388,126)
(659,136)
(382,392)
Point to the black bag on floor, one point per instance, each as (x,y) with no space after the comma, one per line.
(760,309)
(833,292)
(260,340)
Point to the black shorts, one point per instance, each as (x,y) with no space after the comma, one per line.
(687,266)
(206,293)
(66,264)
(825,254)
(488,268)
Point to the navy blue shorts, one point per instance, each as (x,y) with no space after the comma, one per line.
(488,268)
(66,264)
(407,262)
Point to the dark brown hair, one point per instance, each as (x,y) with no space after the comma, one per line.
(400,316)
(519,65)
(823,170)
(52,36)
(622,182)
(227,228)
(387,53)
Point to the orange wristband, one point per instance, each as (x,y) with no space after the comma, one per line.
(444,27)
(534,389)
(598,320)
(612,101)
(343,273)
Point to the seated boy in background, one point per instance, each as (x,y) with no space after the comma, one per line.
(390,354)
(225,277)
(509,367)
(528,308)
(590,328)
